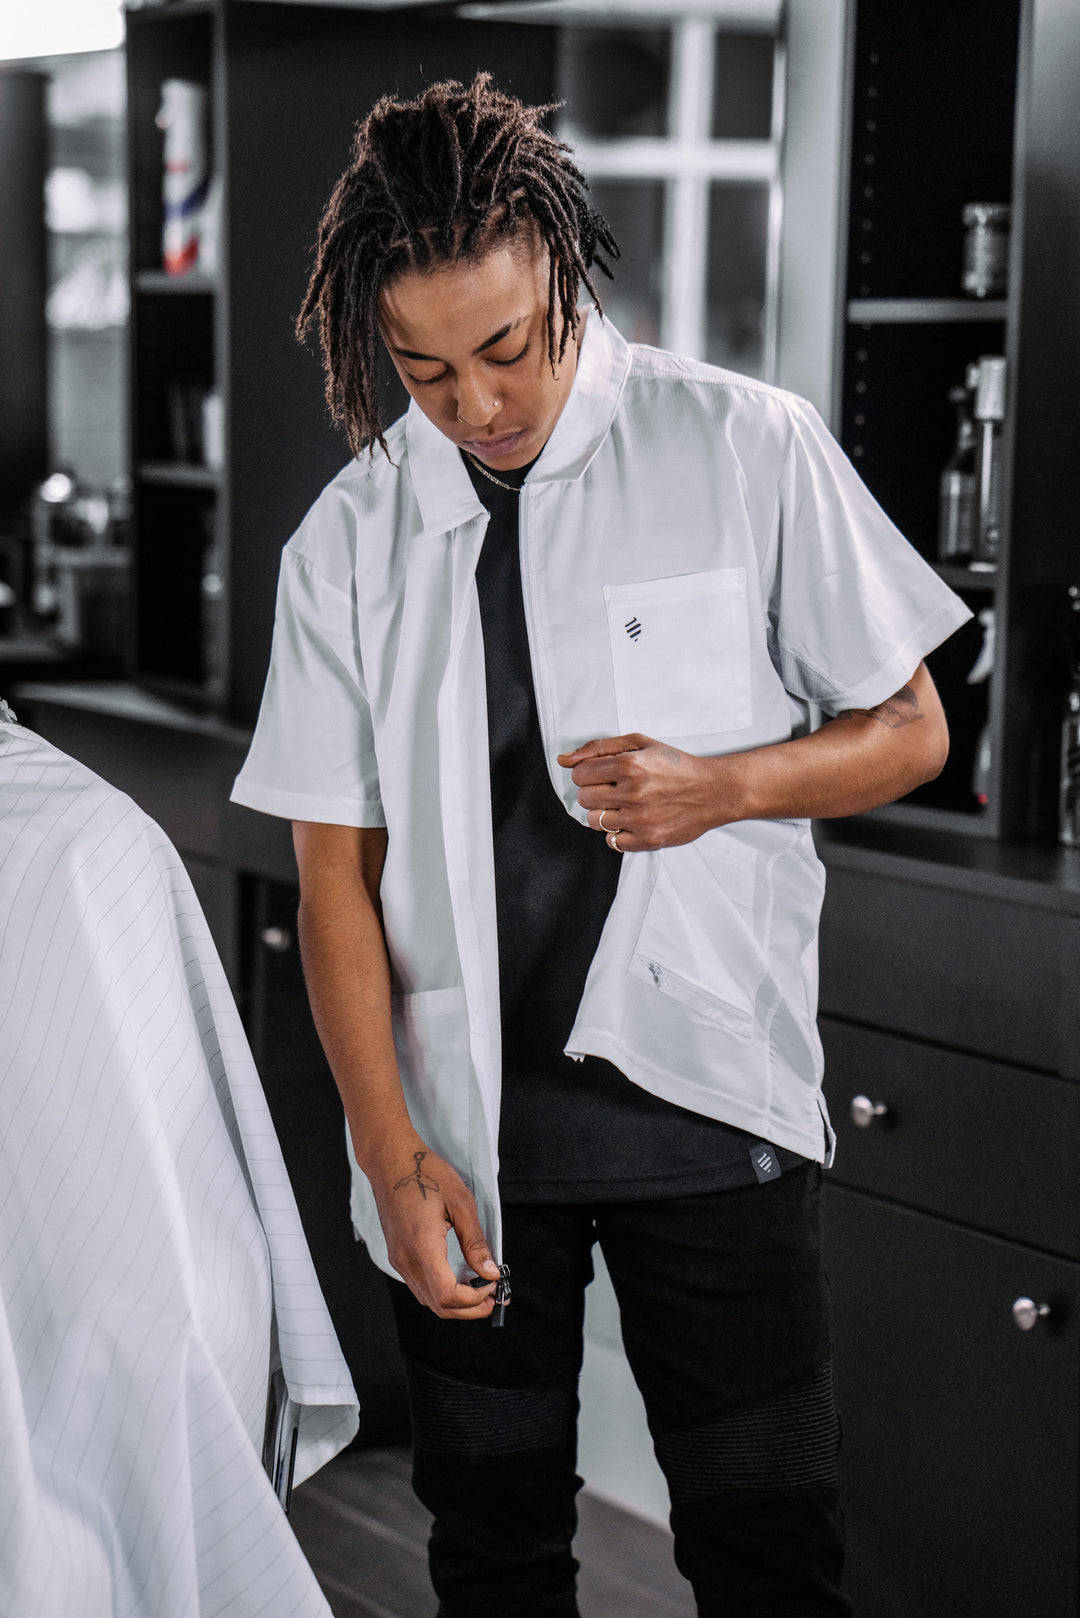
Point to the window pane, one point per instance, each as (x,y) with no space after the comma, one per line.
(635,211)
(743,86)
(614,81)
(738,253)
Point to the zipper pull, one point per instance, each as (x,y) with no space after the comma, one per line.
(501,1296)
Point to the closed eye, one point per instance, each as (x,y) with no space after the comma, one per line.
(429,381)
(515,359)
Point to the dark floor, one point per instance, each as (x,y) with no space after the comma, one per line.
(365,1535)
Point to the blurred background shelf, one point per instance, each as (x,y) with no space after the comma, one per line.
(917,311)
(177,475)
(179,285)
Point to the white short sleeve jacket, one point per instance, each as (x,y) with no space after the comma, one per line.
(699,562)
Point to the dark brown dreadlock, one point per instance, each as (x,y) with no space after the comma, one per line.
(431,181)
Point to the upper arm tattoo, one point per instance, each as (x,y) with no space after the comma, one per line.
(901,709)
(898,710)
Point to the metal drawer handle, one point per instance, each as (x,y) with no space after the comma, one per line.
(1028,1313)
(278,939)
(864,1111)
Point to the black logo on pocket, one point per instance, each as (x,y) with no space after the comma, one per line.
(633,629)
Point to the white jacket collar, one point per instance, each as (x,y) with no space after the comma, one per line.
(443,488)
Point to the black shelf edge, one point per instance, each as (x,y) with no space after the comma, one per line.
(959,577)
(139,702)
(924,311)
(1041,874)
(197,699)
(179,476)
(171,11)
(185,285)
(927,818)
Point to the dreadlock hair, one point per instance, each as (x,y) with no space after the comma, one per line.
(439,179)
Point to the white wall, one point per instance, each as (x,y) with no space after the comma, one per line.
(614,1449)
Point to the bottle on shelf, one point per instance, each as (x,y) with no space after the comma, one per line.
(986,249)
(980,672)
(990,414)
(1069,787)
(50,510)
(182,118)
(212,593)
(958,510)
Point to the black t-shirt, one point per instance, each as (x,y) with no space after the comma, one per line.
(571,1131)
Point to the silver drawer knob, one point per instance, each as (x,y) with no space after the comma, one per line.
(1028,1313)
(278,939)
(864,1111)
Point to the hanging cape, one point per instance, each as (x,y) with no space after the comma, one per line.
(150,1246)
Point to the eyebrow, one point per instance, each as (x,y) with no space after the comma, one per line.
(489,342)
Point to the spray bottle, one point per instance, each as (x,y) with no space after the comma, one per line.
(182,117)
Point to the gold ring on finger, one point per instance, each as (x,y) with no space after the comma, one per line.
(613,841)
(604,828)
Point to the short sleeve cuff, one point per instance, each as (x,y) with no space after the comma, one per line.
(888,677)
(291,805)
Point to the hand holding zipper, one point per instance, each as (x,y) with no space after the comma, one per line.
(500,1297)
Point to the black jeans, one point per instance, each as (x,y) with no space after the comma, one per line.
(724,1321)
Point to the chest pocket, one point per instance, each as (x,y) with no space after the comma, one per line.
(680,651)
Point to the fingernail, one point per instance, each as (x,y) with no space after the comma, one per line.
(491,1268)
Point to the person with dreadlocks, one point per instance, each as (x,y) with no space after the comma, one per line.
(538,707)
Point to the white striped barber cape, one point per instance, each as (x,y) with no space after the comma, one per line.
(149,1240)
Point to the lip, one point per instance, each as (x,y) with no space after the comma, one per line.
(494,448)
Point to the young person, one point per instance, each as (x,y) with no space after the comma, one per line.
(538,708)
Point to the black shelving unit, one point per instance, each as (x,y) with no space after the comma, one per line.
(950,105)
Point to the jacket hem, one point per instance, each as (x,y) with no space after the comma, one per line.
(708,1100)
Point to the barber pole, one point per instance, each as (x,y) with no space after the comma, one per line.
(182,116)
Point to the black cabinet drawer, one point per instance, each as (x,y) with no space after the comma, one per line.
(978,1141)
(957,968)
(961,1432)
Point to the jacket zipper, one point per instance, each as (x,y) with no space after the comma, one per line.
(544,705)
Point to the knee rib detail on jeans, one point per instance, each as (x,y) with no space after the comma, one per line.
(451,1417)
(785,1443)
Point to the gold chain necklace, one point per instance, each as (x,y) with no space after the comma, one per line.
(515,488)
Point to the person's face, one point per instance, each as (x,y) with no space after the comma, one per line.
(469,341)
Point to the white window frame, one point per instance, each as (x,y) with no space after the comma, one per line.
(687,161)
